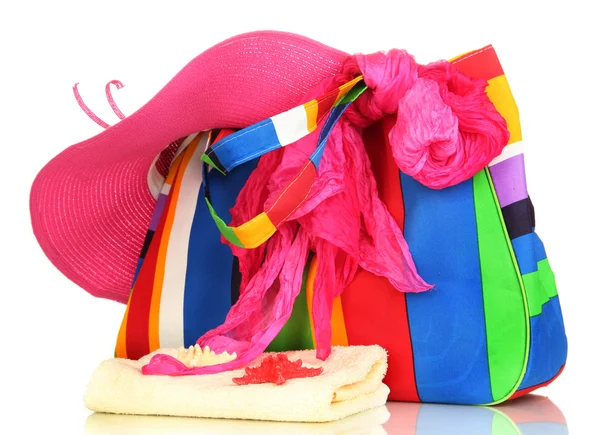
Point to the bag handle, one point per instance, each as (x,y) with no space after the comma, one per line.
(268,135)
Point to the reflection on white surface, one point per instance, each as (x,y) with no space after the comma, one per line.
(368,423)
(530,415)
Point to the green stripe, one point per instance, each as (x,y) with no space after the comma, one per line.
(503,425)
(223,228)
(353,93)
(540,287)
(296,333)
(208,160)
(505,315)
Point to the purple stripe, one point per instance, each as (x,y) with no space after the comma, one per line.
(158,209)
(509,180)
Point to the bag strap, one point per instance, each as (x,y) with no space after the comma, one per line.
(268,135)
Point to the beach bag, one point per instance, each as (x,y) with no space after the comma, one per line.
(491,329)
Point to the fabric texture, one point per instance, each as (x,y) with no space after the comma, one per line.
(350,383)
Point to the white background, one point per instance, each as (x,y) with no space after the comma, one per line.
(54,334)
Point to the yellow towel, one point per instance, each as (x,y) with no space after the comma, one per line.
(365,423)
(351,382)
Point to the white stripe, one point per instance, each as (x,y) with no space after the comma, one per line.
(155,180)
(291,125)
(171,303)
(184,145)
(165,189)
(509,151)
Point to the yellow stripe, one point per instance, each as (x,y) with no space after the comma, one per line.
(312,110)
(345,88)
(501,96)
(254,232)
(176,173)
(338,325)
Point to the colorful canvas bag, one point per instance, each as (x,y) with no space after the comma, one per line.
(490,330)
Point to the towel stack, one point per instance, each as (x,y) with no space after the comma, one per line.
(351,382)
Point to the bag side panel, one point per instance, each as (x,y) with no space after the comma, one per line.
(447,324)
(374,311)
(503,295)
(548,347)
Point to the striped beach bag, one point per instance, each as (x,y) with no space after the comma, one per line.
(490,330)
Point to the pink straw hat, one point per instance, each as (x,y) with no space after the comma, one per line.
(91,205)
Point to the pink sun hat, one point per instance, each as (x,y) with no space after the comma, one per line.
(91,205)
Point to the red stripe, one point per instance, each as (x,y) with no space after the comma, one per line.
(481,63)
(378,316)
(403,418)
(222,134)
(293,195)
(326,103)
(533,409)
(138,318)
(521,393)
(166,157)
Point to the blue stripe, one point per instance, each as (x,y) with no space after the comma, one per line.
(538,247)
(548,348)
(247,144)
(207,296)
(448,419)
(529,249)
(335,114)
(543,428)
(137,270)
(447,324)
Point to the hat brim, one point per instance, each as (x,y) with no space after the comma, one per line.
(91,205)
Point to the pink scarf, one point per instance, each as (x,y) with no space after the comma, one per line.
(446,131)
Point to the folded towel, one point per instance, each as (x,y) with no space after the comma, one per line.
(351,382)
(365,423)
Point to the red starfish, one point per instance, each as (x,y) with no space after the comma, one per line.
(276,369)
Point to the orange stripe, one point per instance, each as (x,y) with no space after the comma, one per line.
(338,326)
(174,168)
(121,348)
(310,291)
(346,87)
(179,170)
